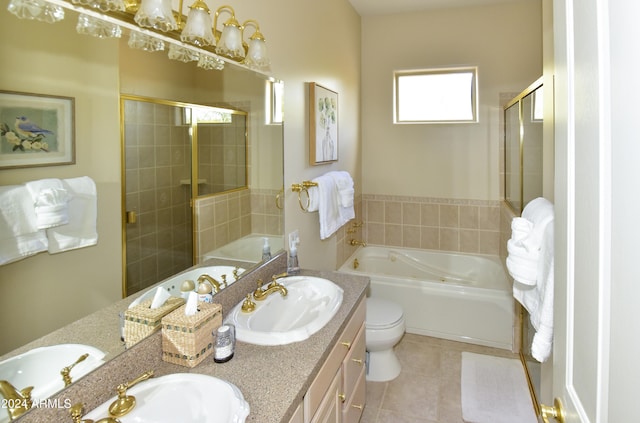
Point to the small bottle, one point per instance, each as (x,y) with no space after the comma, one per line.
(225,343)
(205,292)
(293,268)
(266,250)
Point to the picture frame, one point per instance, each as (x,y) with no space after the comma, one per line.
(36,130)
(323,125)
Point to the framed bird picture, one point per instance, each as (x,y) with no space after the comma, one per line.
(36,130)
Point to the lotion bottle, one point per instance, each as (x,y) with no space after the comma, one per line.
(266,250)
(293,268)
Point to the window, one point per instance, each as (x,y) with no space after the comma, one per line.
(435,96)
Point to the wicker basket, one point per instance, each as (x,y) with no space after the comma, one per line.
(187,340)
(141,321)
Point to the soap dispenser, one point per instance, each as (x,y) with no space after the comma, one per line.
(266,250)
(293,268)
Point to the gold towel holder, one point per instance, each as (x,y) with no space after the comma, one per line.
(303,187)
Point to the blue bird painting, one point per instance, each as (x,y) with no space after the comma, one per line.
(28,129)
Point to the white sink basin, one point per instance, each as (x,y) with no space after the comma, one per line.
(173,283)
(181,397)
(40,368)
(309,305)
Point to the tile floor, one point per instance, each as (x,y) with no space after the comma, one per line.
(428,388)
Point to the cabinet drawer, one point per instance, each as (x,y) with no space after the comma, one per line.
(352,410)
(354,363)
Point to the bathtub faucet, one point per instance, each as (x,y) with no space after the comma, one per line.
(355,242)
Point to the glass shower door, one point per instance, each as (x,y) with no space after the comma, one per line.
(158,231)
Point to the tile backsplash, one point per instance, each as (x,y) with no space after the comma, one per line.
(470,226)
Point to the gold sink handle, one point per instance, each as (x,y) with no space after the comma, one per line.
(125,403)
(65,372)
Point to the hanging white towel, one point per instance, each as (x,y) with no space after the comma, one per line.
(331,214)
(536,297)
(345,193)
(81,230)
(50,202)
(19,235)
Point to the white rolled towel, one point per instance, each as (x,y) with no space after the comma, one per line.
(50,200)
(521,264)
(520,228)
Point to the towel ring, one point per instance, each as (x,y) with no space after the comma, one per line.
(279,204)
(304,208)
(299,188)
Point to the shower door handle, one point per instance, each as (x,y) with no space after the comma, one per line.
(131,217)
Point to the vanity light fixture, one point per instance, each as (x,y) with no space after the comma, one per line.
(257,56)
(198,28)
(152,24)
(141,41)
(229,43)
(39,10)
(182,53)
(88,25)
(156,14)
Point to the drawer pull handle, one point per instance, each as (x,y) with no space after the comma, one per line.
(358,406)
(342,397)
(346,344)
(357,360)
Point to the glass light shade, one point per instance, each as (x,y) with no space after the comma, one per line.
(145,42)
(182,54)
(198,30)
(209,62)
(230,43)
(88,25)
(257,56)
(36,9)
(102,5)
(156,14)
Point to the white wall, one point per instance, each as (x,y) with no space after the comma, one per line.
(459,161)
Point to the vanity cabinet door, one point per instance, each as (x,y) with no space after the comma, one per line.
(330,409)
(354,364)
(352,410)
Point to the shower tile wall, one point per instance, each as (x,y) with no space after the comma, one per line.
(469,226)
(223,218)
(157,160)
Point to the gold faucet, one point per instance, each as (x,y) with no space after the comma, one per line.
(214,283)
(355,242)
(65,372)
(18,402)
(260,294)
(77,410)
(125,403)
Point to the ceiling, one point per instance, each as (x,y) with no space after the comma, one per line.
(386,7)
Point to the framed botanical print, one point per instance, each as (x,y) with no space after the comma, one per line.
(323,124)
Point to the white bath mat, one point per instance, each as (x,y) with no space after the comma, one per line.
(495,390)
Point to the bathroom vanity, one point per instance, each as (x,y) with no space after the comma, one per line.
(319,379)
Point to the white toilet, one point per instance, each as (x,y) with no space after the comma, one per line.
(384,326)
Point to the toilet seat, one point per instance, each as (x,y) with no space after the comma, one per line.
(382,314)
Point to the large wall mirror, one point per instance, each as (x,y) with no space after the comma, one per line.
(241,141)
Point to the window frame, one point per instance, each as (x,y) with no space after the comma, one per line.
(437,71)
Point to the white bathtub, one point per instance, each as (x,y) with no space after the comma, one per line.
(247,248)
(456,296)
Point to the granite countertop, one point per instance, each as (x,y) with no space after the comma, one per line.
(273,379)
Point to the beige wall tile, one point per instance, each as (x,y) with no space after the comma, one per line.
(469,217)
(449,216)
